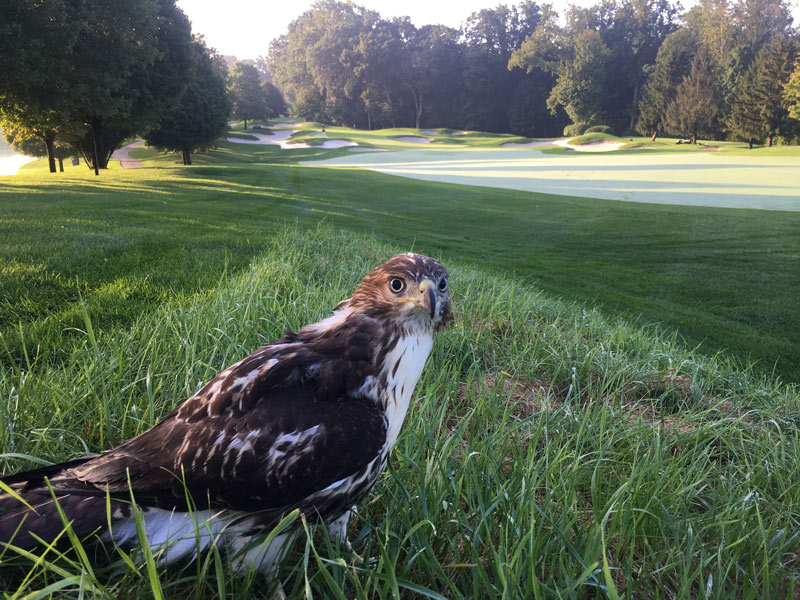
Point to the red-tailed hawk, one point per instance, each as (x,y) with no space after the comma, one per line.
(306,422)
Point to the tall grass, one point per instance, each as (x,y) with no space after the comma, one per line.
(549,453)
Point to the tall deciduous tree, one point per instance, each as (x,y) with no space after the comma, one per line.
(791,92)
(200,116)
(582,80)
(432,68)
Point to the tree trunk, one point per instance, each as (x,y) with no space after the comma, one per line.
(96,158)
(245,123)
(693,139)
(48,143)
(633,106)
(369,122)
(61,165)
(418,106)
(769,141)
(750,144)
(653,137)
(187,156)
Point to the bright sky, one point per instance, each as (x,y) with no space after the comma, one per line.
(245,27)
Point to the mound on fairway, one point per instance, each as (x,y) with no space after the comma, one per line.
(696,179)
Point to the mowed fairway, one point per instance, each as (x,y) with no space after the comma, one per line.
(692,179)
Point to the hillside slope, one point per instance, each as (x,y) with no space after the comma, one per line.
(549,451)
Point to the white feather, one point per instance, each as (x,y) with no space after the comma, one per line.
(412,351)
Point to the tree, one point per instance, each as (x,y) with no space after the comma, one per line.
(696,101)
(759,21)
(96,72)
(432,69)
(32,145)
(716,31)
(760,109)
(273,98)
(636,31)
(132,56)
(492,35)
(581,85)
(673,63)
(791,92)
(35,41)
(200,116)
(249,101)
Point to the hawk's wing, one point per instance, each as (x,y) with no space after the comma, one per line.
(266,433)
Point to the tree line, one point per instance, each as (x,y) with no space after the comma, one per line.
(79,78)
(726,69)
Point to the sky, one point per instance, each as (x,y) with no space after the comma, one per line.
(244,28)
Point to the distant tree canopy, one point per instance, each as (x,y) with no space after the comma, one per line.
(344,64)
(90,74)
(521,69)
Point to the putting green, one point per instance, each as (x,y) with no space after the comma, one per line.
(688,178)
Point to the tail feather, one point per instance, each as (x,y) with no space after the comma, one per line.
(26,526)
(30,515)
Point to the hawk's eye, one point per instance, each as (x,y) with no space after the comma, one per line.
(397,285)
(443,284)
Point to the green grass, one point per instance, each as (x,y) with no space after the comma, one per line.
(550,452)
(726,279)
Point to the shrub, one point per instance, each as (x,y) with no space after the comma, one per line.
(575,129)
(599,129)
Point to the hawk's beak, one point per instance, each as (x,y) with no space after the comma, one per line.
(427,289)
(426,298)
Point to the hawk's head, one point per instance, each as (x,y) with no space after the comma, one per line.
(408,288)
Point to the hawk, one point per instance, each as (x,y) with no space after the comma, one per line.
(307,422)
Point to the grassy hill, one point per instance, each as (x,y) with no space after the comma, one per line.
(549,449)
(553,449)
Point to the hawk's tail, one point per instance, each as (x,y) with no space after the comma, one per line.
(29,515)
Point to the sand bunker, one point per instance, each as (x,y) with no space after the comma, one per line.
(414,139)
(692,179)
(279,138)
(593,147)
(336,144)
(525,144)
(359,149)
(282,138)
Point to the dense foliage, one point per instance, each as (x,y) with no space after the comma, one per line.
(93,74)
(629,64)
(199,116)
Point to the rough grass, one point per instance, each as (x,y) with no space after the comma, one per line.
(550,452)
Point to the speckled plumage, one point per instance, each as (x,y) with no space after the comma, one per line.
(306,422)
